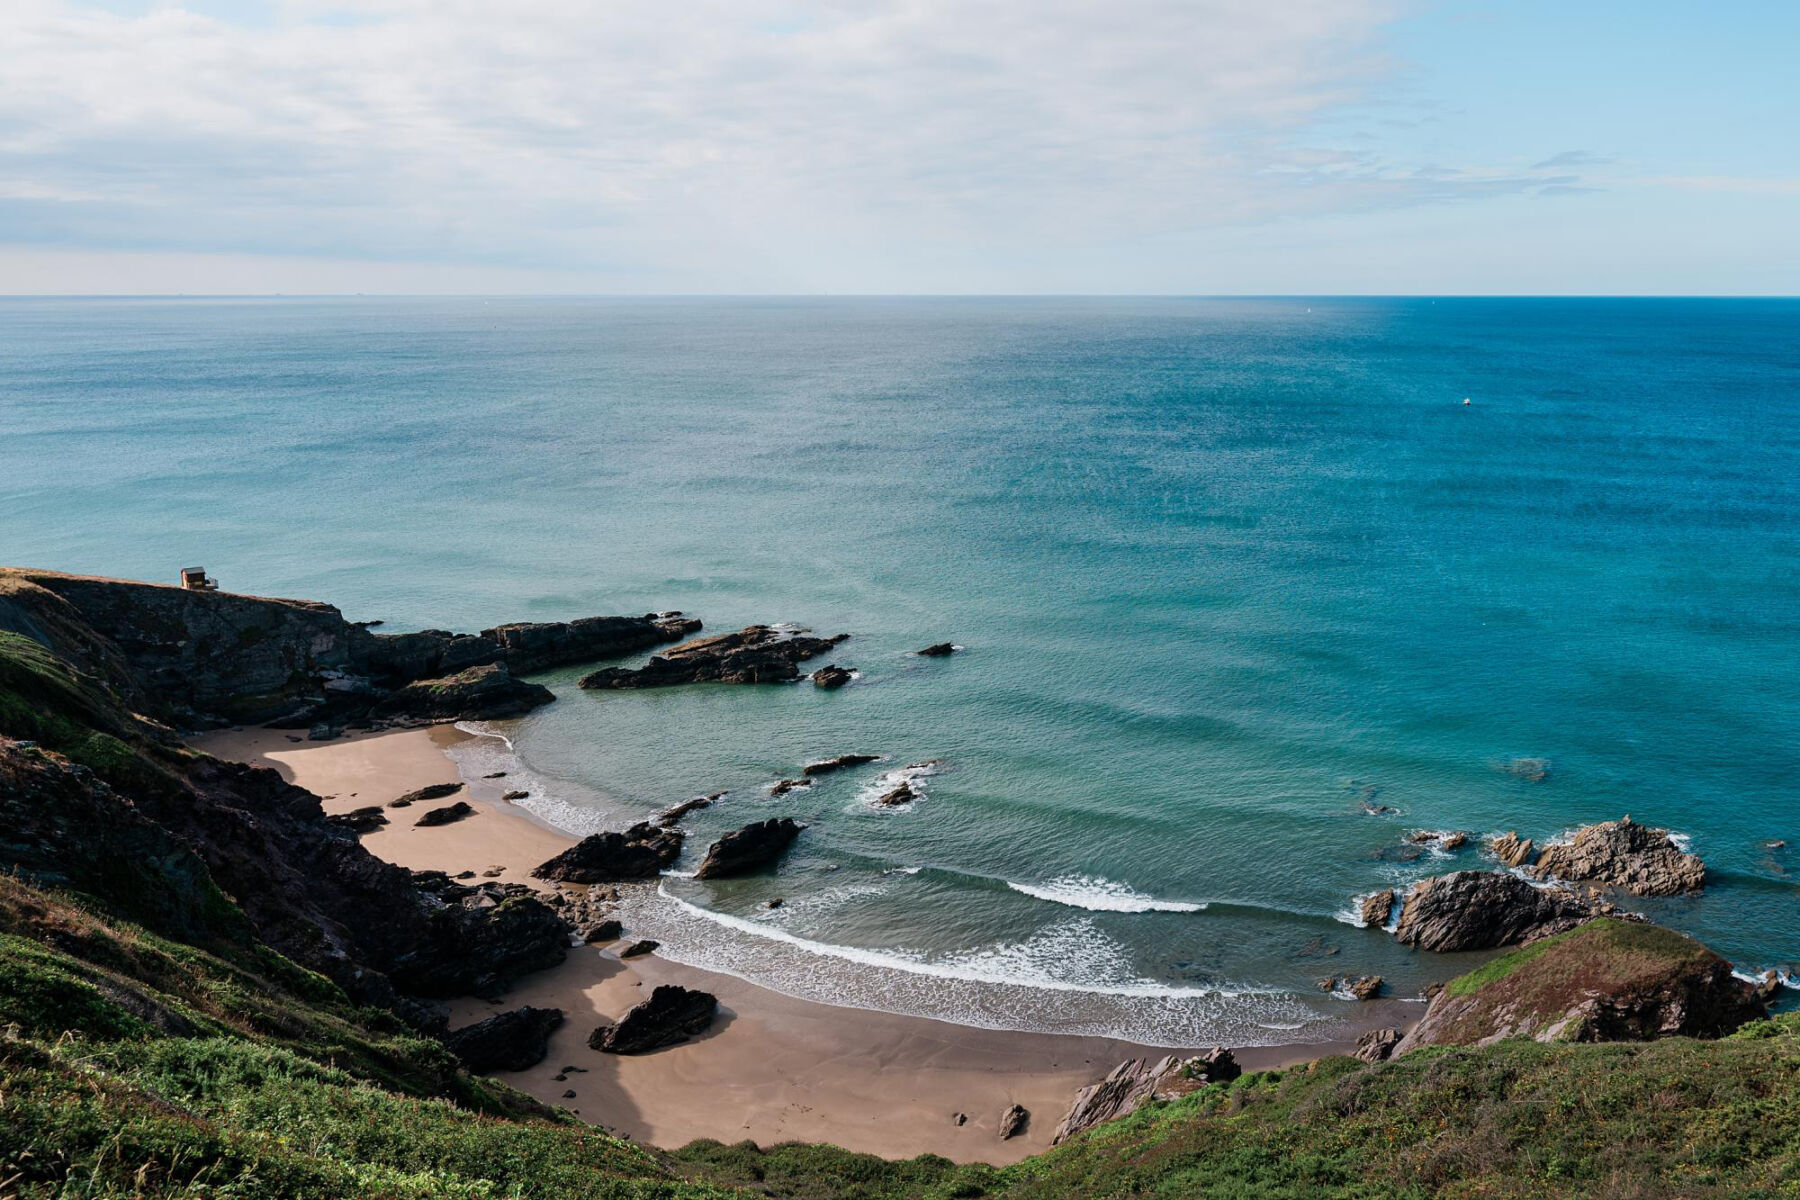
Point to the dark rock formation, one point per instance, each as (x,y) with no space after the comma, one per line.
(1444,839)
(538,647)
(359,820)
(508,1041)
(782,787)
(1510,849)
(639,948)
(1377,1045)
(485,693)
(446,815)
(1627,855)
(1480,910)
(1138,1080)
(435,791)
(670,816)
(640,852)
(1377,908)
(905,793)
(827,766)
(937,650)
(830,676)
(516,795)
(1605,981)
(1013,1121)
(1364,987)
(195,658)
(671,1015)
(757,654)
(750,848)
(607,930)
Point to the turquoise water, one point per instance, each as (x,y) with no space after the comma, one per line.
(1224,569)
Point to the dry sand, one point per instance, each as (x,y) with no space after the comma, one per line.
(772,1068)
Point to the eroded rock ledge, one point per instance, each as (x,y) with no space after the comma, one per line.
(756,654)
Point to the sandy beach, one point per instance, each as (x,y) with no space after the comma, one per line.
(772,1068)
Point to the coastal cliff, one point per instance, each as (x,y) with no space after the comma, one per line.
(207,988)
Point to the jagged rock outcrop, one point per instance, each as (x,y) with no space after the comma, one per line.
(828,765)
(671,1015)
(670,816)
(486,693)
(640,852)
(542,645)
(1377,1045)
(757,654)
(937,650)
(1013,1121)
(831,676)
(1377,908)
(1625,855)
(1137,1080)
(749,849)
(508,1041)
(1604,981)
(1510,850)
(1481,910)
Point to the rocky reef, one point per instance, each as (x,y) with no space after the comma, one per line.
(749,849)
(1624,854)
(756,654)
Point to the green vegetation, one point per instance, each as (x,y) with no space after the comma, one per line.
(1624,946)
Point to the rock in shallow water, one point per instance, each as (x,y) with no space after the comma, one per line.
(1377,908)
(671,1015)
(1510,849)
(829,677)
(756,654)
(1481,910)
(828,765)
(937,650)
(1627,855)
(638,853)
(750,848)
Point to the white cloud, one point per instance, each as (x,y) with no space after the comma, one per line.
(713,145)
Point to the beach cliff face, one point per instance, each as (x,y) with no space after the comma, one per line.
(98,795)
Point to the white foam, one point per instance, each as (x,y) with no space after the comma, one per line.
(869,796)
(1102,895)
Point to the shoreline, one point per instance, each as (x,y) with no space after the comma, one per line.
(773,1068)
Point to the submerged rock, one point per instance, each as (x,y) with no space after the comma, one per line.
(1481,910)
(1013,1121)
(671,1015)
(828,765)
(831,676)
(508,1041)
(640,852)
(1510,849)
(757,654)
(1607,980)
(1137,1080)
(1627,855)
(749,849)
(906,793)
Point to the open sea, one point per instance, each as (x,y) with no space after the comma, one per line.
(1226,572)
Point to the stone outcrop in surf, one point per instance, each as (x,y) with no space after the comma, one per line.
(1624,854)
(1482,910)
(831,676)
(756,654)
(1134,1082)
(937,650)
(1604,981)
(508,1041)
(1377,908)
(841,762)
(640,852)
(749,849)
(671,1015)
(1510,850)
(539,646)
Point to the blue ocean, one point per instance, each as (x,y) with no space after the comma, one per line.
(1247,594)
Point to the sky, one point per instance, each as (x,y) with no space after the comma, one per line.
(899,146)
